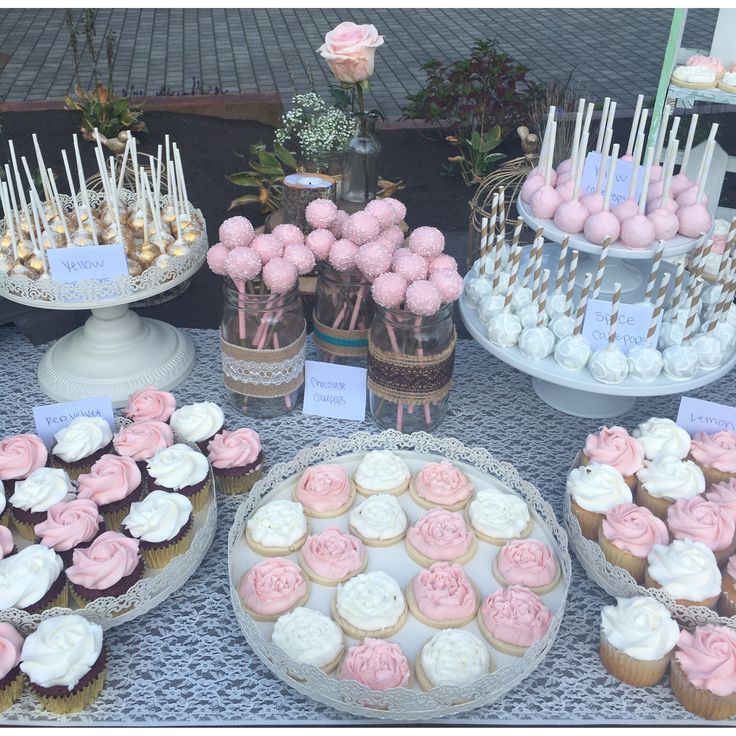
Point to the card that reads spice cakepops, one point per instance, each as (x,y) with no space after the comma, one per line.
(337,391)
(88,262)
(53,417)
(698,415)
(633,324)
(621,179)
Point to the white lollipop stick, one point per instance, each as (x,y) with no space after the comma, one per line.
(550,155)
(581,165)
(603,124)
(9,218)
(171,177)
(123,167)
(41,168)
(611,175)
(18,181)
(40,221)
(705,169)
(634,125)
(159,152)
(576,137)
(144,209)
(588,119)
(661,133)
(669,168)
(635,164)
(11,191)
(168,161)
(604,155)
(72,190)
(59,208)
(183,184)
(611,114)
(689,142)
(647,175)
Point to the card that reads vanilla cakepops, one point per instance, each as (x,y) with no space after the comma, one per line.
(698,415)
(621,179)
(633,324)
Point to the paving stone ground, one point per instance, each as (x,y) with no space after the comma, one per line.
(616,52)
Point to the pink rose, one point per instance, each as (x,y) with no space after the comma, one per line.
(444,592)
(238,448)
(442,483)
(701,521)
(333,554)
(516,615)
(20,456)
(634,529)
(150,403)
(110,557)
(527,562)
(376,664)
(708,658)
(440,535)
(142,440)
(350,51)
(69,524)
(715,450)
(613,446)
(323,488)
(273,586)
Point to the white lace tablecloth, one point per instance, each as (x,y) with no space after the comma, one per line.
(186,661)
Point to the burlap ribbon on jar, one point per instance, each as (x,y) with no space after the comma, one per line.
(410,379)
(264,373)
(344,343)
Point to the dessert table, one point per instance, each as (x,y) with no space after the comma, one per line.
(186,662)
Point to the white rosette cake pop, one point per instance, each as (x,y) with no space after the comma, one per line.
(573,352)
(608,364)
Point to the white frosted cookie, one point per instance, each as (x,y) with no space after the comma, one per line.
(379,521)
(309,637)
(381,471)
(277,528)
(496,516)
(452,657)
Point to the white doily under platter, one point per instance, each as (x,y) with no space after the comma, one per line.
(398,703)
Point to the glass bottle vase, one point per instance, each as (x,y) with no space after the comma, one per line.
(360,175)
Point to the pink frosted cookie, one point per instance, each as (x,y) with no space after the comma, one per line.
(377,664)
(273,587)
(443,596)
(704,521)
(149,403)
(332,557)
(325,491)
(527,562)
(512,619)
(441,484)
(440,536)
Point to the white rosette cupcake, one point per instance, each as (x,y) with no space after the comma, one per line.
(381,471)
(665,480)
(80,444)
(184,470)
(379,521)
(33,580)
(452,657)
(309,637)
(34,496)
(662,437)
(496,516)
(277,528)
(198,423)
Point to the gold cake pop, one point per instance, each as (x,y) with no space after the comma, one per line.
(6,263)
(134,268)
(190,234)
(50,239)
(35,263)
(20,270)
(164,262)
(82,237)
(6,241)
(168,214)
(178,248)
(146,253)
(24,249)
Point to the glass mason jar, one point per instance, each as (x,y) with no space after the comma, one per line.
(331,163)
(343,310)
(410,362)
(360,175)
(263,339)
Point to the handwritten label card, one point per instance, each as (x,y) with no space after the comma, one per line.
(82,263)
(621,179)
(336,391)
(697,415)
(53,417)
(633,324)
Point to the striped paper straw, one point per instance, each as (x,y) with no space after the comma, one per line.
(601,268)
(677,291)
(613,326)
(694,308)
(571,274)
(661,294)
(656,262)
(582,304)
(542,303)
(561,263)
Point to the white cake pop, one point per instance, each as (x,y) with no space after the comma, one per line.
(537,342)
(490,306)
(680,362)
(726,335)
(573,351)
(608,364)
(708,349)
(504,329)
(477,289)
(645,363)
(528,316)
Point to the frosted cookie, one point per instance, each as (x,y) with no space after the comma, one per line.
(441,484)
(440,536)
(379,521)
(527,562)
(325,491)
(381,471)
(443,597)
(332,557)
(452,657)
(277,528)
(370,604)
(309,637)
(694,77)
(271,588)
(496,517)
(377,664)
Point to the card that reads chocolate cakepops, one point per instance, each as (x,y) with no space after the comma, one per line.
(698,415)
(51,418)
(621,179)
(88,262)
(632,327)
(332,390)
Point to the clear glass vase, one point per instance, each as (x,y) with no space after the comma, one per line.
(331,163)
(410,363)
(262,338)
(360,175)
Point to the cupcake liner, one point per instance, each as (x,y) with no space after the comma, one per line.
(11,691)
(590,521)
(658,506)
(712,475)
(5,517)
(231,485)
(57,596)
(650,582)
(25,530)
(159,555)
(115,512)
(635,566)
(83,596)
(727,601)
(197,493)
(697,700)
(83,465)
(635,672)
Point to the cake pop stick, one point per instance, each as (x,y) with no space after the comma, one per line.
(612,163)
(42,169)
(167,144)
(561,263)
(613,324)
(40,220)
(18,183)
(703,258)
(588,119)
(542,303)
(571,275)
(170,174)
(635,163)
(123,169)
(648,161)
(483,235)
(603,125)
(704,170)
(582,304)
(659,142)
(72,190)
(575,144)
(669,168)
(144,210)
(673,132)
(658,306)
(677,290)
(529,265)
(653,272)
(689,142)
(550,155)
(538,245)
(13,201)
(155,215)
(514,270)
(501,240)
(601,268)
(611,114)
(182,183)
(496,268)
(517,233)
(9,218)
(578,173)
(604,158)
(634,125)
(59,208)
(159,152)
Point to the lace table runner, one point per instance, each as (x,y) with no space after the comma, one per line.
(186,661)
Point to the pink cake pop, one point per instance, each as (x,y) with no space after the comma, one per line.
(342,255)
(427,242)
(665,221)
(630,207)
(695,218)
(338,226)
(533,181)
(656,173)
(629,154)
(593,202)
(392,236)
(638,232)
(280,275)
(267,247)
(443,261)
(535,178)
(383,211)
(236,231)
(546,200)
(410,265)
(389,290)
(321,213)
(689,196)
(361,227)
(373,259)
(319,242)
(301,256)
(216,258)
(571,215)
(288,234)
(399,209)
(681,181)
(423,298)
(242,264)
(603,224)
(449,283)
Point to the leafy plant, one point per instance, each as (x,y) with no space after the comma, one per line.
(475,156)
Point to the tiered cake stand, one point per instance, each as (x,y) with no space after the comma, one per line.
(116,352)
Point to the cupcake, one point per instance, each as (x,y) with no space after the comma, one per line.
(33,580)
(309,637)
(35,495)
(662,438)
(704,521)
(377,664)
(595,489)
(332,557)
(148,404)
(687,570)
(496,516)
(140,441)
(379,521)
(198,423)
(237,459)
(662,482)
(271,588)
(452,657)
(113,483)
(325,491)
(440,536)
(512,619)
(4,509)
(727,601)
(724,494)
(11,678)
(527,562)
(370,604)
(277,528)
(381,471)
(637,639)
(110,566)
(703,676)
(627,534)
(443,597)
(441,484)
(80,444)
(715,454)
(20,455)
(64,661)
(615,447)
(163,522)
(7,543)
(182,469)
(69,524)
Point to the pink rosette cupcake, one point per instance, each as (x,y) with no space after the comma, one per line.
(140,441)
(332,557)
(325,491)
(440,536)
(724,494)
(703,521)
(7,543)
(109,566)
(113,484)
(11,677)
(273,587)
(236,458)
(443,597)
(627,534)
(614,446)
(715,454)
(69,524)
(20,455)
(441,484)
(512,619)
(727,601)
(149,404)
(377,664)
(527,562)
